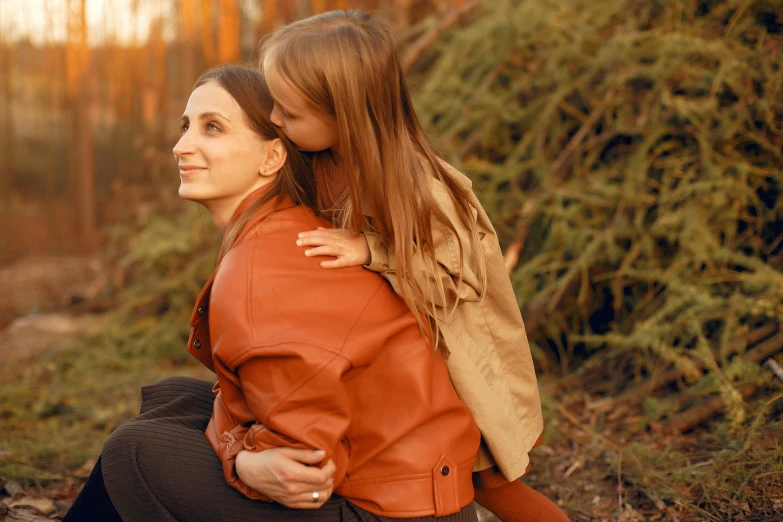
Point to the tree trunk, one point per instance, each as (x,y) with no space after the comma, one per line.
(6,118)
(229,32)
(82,161)
(187,22)
(207,33)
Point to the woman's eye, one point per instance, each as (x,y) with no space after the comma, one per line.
(212,127)
(286,115)
(183,128)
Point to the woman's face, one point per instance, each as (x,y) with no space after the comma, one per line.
(221,159)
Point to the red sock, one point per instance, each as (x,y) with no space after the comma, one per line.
(516,502)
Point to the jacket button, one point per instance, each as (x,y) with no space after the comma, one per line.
(200,310)
(444,470)
(196,344)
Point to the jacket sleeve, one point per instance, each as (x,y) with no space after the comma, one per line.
(447,257)
(296,393)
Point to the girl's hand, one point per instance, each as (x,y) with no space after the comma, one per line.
(287,475)
(347,247)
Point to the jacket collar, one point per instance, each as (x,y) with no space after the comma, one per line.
(199,315)
(273,205)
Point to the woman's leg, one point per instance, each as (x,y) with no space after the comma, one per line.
(159,466)
(93,502)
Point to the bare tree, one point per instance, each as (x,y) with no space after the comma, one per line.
(6,117)
(229,32)
(82,161)
(187,31)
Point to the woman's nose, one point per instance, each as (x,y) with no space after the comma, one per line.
(184,146)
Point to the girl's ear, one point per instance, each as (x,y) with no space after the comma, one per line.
(274,158)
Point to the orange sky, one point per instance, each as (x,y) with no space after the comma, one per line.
(46,20)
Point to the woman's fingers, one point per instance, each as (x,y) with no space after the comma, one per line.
(305,456)
(309,476)
(329,468)
(306,501)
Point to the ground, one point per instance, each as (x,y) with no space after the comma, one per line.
(602,458)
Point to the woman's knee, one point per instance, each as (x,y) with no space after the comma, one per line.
(123,438)
(195,392)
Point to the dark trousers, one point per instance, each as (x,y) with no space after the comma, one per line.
(160,467)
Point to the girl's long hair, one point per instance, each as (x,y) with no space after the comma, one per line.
(347,65)
(247,87)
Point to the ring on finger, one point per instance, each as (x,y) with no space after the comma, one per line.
(315,496)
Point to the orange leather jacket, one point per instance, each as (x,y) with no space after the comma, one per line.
(308,357)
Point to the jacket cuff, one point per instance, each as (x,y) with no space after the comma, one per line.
(379,257)
(232,444)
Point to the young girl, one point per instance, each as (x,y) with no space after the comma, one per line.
(401,211)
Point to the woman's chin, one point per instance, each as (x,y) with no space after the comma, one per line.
(190,192)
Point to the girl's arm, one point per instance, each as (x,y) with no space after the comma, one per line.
(371,251)
(448,269)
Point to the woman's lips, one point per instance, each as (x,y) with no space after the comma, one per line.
(188,170)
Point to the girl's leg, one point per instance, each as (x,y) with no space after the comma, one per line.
(516,502)
(352,513)
(93,502)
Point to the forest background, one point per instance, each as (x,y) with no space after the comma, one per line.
(630,153)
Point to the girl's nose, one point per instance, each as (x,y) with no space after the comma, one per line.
(275,117)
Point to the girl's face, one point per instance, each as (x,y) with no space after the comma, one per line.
(304,125)
(221,159)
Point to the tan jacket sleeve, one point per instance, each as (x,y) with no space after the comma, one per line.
(447,254)
(296,393)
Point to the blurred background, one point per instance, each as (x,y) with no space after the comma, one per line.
(630,153)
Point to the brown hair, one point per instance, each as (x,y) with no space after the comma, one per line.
(346,64)
(248,88)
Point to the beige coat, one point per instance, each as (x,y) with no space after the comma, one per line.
(489,360)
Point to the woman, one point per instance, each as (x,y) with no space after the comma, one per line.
(306,359)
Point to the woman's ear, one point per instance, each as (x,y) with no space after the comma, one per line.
(274,158)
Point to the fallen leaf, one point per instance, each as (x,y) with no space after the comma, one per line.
(12,487)
(85,469)
(44,505)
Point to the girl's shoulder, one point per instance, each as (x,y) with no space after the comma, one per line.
(461,179)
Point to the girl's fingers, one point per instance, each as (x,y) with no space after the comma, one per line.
(327,232)
(326,250)
(341,262)
(335,263)
(316,240)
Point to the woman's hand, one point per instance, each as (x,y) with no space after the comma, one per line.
(349,249)
(288,476)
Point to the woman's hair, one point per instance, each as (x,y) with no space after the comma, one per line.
(346,64)
(247,87)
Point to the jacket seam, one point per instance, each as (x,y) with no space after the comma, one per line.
(249,286)
(449,246)
(370,297)
(399,478)
(505,371)
(300,386)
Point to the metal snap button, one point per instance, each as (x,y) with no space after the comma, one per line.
(200,310)
(444,470)
(196,344)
